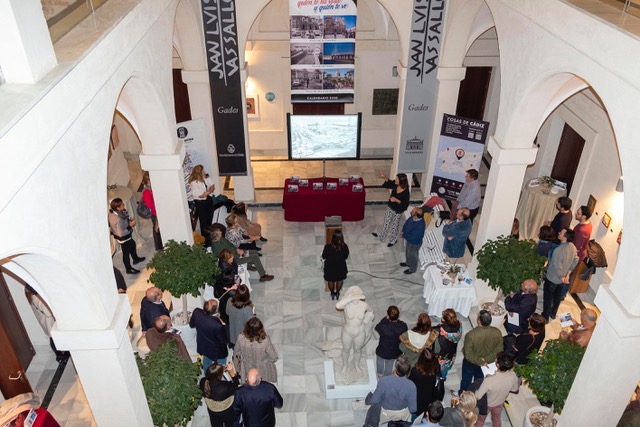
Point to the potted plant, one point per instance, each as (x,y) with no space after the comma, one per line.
(504,263)
(547,182)
(183,269)
(171,386)
(453,270)
(549,375)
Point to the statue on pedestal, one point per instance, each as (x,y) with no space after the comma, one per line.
(356,332)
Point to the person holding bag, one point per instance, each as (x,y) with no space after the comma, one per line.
(219,393)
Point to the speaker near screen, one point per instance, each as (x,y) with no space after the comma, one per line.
(318,137)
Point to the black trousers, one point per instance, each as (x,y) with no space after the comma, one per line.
(204,212)
(129,250)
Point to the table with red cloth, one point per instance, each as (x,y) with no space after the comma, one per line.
(309,205)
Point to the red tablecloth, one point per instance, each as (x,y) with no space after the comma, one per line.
(309,205)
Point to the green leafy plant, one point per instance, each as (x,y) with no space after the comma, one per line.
(547,181)
(504,263)
(170,384)
(550,373)
(454,269)
(183,269)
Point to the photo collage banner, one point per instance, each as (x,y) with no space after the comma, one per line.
(461,145)
(323,48)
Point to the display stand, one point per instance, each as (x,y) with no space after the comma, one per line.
(331,223)
(349,391)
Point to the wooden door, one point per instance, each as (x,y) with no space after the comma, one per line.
(16,351)
(568,156)
(472,96)
(181,101)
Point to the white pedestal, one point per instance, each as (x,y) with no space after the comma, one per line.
(338,391)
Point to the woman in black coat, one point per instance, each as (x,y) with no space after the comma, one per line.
(219,393)
(424,375)
(226,282)
(335,263)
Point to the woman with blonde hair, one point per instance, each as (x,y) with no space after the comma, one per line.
(449,334)
(253,229)
(202,188)
(463,411)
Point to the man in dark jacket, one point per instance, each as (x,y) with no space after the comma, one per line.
(523,304)
(211,338)
(256,402)
(390,328)
(151,308)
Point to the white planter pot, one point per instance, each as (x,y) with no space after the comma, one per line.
(527,423)
(496,321)
(186,332)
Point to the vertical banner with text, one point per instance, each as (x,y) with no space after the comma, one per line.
(461,146)
(223,66)
(421,85)
(323,50)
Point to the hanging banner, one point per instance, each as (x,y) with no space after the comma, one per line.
(323,50)
(460,149)
(191,133)
(421,85)
(221,42)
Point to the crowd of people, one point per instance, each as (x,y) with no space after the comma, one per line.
(411,364)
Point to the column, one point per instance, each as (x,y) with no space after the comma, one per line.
(167,180)
(501,198)
(107,370)
(449,79)
(609,370)
(26,51)
(402,75)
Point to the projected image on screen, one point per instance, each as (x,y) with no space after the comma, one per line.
(324,137)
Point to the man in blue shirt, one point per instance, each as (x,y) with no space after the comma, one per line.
(413,233)
(395,397)
(456,234)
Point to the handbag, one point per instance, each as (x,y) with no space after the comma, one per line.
(143,210)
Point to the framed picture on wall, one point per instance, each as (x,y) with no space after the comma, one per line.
(252,107)
(591,204)
(606,220)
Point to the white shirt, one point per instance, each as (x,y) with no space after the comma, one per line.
(198,188)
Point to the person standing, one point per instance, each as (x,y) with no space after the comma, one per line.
(424,375)
(397,204)
(122,227)
(256,401)
(147,197)
(456,234)
(202,188)
(469,196)
(449,334)
(151,308)
(415,340)
(211,334)
(481,346)
(524,304)
(390,328)
(563,218)
(497,388)
(240,309)
(335,257)
(412,233)
(581,241)
(255,350)
(562,261)
(219,394)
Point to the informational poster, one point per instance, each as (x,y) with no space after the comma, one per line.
(461,146)
(421,86)
(191,133)
(221,41)
(323,50)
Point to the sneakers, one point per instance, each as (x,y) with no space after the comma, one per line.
(139,260)
(266,278)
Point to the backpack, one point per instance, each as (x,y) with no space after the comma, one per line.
(143,210)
